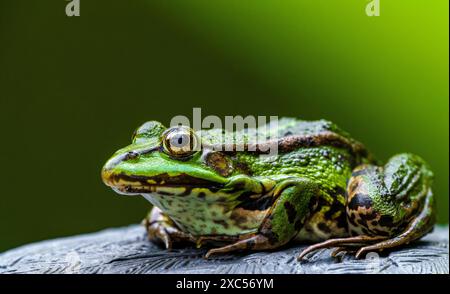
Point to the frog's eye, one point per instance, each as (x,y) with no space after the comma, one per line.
(179,142)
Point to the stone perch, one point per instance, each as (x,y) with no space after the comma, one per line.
(126,250)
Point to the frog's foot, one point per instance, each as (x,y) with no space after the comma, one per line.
(342,243)
(419,226)
(363,244)
(256,242)
(161,229)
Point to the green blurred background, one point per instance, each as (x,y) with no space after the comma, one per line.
(72,90)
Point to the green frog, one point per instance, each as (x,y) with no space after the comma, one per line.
(322,187)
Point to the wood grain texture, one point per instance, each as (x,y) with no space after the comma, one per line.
(126,250)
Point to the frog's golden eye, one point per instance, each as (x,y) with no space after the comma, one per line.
(179,142)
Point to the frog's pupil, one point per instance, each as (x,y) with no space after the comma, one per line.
(180,140)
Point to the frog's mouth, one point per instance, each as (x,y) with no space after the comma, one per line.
(162,183)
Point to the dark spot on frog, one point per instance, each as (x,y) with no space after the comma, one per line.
(386,221)
(322,202)
(251,243)
(270,235)
(341,221)
(248,203)
(336,205)
(298,225)
(291,212)
(338,190)
(360,200)
(220,163)
(243,168)
(351,219)
(221,223)
(165,193)
(362,222)
(238,219)
(187,191)
(324,228)
(381,233)
(222,200)
(309,229)
(313,203)
(201,195)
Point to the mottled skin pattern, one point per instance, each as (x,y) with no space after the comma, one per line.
(322,187)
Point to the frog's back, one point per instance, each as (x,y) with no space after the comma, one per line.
(288,126)
(295,134)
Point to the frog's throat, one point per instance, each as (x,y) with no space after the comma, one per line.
(162,183)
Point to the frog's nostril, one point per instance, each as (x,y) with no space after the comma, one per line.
(131,155)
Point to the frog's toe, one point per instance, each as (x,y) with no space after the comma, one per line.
(212,252)
(363,251)
(158,234)
(166,241)
(161,229)
(338,250)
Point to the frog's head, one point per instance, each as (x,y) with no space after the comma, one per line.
(166,161)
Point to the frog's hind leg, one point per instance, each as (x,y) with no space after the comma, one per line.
(161,229)
(386,206)
(295,198)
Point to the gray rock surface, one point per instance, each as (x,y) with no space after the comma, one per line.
(126,250)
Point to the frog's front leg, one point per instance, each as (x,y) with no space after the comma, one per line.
(162,229)
(295,199)
(386,206)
